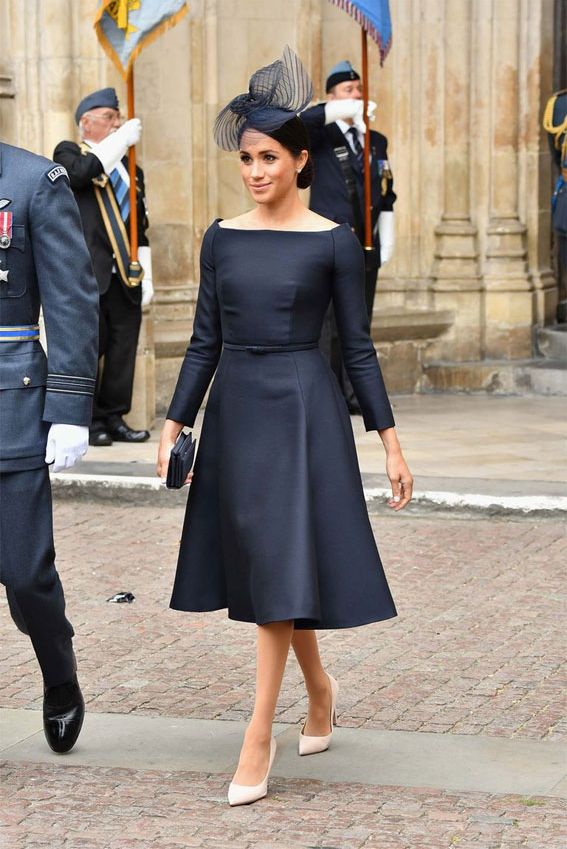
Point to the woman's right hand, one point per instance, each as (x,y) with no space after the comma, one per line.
(169,434)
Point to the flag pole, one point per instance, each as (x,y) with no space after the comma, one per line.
(367,183)
(132,172)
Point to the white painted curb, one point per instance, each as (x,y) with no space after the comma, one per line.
(145,484)
(475,501)
(523,504)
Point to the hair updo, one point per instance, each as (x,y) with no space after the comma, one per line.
(294,137)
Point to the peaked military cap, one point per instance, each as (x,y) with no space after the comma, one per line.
(341,72)
(104,97)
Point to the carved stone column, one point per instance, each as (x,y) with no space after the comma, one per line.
(168,73)
(456,279)
(508,311)
(536,73)
(56,72)
(19,28)
(91,66)
(7,82)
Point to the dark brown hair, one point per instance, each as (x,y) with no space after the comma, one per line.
(294,137)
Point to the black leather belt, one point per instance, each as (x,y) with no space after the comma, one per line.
(271,349)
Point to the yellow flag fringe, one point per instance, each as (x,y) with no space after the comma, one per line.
(155,33)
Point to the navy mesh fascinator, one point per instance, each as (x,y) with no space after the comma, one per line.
(276,93)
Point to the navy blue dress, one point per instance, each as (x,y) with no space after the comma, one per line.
(276,526)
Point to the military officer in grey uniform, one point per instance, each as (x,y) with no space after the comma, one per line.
(45,407)
(336,132)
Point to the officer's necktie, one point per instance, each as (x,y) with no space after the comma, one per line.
(121,193)
(353,133)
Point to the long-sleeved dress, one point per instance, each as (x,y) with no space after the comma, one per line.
(276,526)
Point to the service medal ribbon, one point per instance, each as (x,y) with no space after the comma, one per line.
(5,229)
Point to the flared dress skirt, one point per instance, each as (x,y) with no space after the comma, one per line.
(276,526)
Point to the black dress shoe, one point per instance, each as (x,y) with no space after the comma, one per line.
(63,714)
(120,432)
(99,438)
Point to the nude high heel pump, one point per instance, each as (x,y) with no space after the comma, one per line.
(313,745)
(244,794)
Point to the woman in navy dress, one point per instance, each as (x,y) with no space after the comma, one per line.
(276,528)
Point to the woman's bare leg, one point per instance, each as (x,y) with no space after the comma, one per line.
(272,650)
(306,650)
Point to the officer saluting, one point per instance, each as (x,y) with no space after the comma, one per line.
(555,124)
(45,407)
(100,181)
(336,131)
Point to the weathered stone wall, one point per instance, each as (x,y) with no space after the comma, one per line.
(460,98)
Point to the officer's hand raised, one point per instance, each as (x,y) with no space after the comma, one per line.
(111,149)
(348,108)
(132,131)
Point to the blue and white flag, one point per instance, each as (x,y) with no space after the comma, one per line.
(374,17)
(125,27)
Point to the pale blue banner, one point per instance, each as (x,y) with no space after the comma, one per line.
(124,27)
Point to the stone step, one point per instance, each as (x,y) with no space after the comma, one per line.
(548,377)
(167,372)
(399,335)
(172,337)
(406,325)
(498,377)
(551,342)
(175,304)
(174,321)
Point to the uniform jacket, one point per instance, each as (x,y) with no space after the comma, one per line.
(329,194)
(48,265)
(559,152)
(82,167)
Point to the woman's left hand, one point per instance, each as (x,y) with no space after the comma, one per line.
(169,434)
(400,479)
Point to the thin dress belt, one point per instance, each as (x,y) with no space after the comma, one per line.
(271,349)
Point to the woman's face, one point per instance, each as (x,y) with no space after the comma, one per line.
(268,169)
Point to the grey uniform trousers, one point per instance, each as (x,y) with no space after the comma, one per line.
(27,570)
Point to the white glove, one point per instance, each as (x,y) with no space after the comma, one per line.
(386,231)
(349,109)
(145,260)
(66,443)
(132,130)
(344,109)
(113,148)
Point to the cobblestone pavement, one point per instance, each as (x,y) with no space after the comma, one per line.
(58,807)
(476,648)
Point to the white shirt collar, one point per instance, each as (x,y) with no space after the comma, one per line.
(343,126)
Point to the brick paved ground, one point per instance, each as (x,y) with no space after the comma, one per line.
(476,648)
(58,807)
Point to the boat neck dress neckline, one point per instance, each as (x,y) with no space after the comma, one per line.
(274,229)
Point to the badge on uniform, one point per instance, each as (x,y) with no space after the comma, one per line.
(385,173)
(57,172)
(5,229)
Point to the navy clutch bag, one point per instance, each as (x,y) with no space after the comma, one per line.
(180,460)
